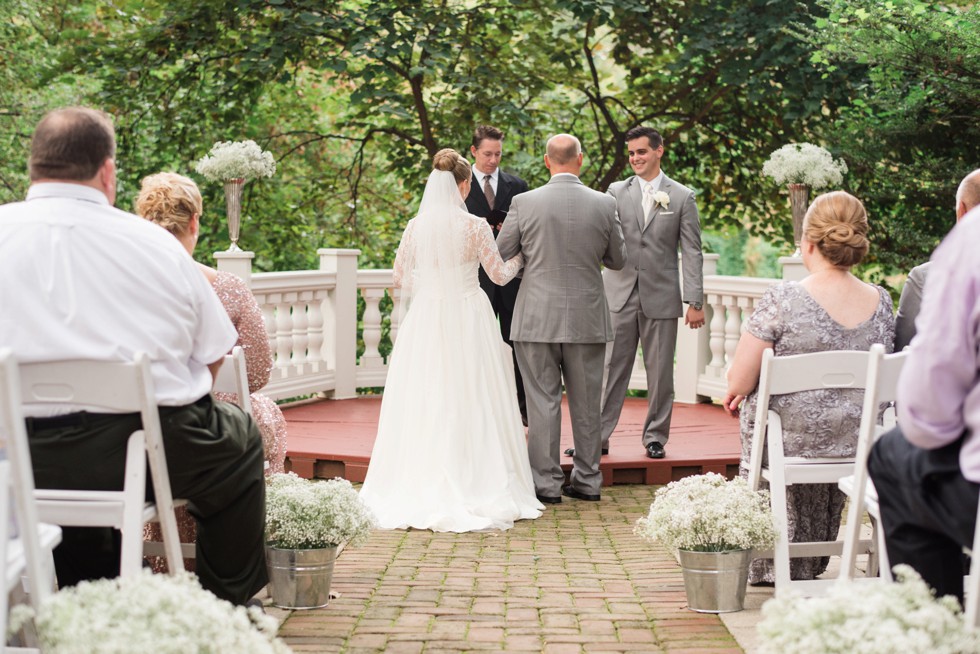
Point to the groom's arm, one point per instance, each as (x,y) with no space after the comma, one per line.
(509,238)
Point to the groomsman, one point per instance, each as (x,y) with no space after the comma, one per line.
(659,216)
(491,191)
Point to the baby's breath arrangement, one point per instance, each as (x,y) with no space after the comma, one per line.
(236,160)
(868,618)
(166,614)
(707,513)
(804,163)
(309,514)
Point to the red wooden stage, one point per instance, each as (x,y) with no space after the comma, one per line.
(333,438)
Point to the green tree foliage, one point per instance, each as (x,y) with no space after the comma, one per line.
(911,132)
(353,97)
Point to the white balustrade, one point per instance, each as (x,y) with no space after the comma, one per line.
(311,317)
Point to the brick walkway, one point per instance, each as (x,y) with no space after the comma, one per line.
(575,580)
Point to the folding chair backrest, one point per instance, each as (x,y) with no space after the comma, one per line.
(113,387)
(793,374)
(18,455)
(972,588)
(882,387)
(233,378)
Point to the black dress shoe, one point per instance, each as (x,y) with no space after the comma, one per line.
(578,495)
(548,499)
(571,451)
(655,451)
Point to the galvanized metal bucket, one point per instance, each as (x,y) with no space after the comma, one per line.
(715,581)
(300,579)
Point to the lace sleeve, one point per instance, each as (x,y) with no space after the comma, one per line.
(498,270)
(405,257)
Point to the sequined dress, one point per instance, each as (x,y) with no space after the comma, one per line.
(815,423)
(246,316)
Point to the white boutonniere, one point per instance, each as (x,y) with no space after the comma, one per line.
(662,199)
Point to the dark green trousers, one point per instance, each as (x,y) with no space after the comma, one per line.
(214,457)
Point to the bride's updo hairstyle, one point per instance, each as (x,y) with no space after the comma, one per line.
(169,200)
(838,225)
(449,160)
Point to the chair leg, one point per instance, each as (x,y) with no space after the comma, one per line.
(131,559)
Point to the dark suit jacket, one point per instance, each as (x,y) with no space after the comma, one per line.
(476,203)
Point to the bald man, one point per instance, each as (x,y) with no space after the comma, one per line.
(967,197)
(561,322)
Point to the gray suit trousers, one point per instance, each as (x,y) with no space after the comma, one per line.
(659,339)
(543,366)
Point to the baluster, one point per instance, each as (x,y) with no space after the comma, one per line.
(315,346)
(301,336)
(284,332)
(716,342)
(371,321)
(396,297)
(733,328)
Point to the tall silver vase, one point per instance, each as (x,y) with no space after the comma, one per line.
(233,208)
(799,201)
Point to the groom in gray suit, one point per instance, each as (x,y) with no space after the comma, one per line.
(658,215)
(561,322)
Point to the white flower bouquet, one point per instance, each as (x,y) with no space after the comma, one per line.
(868,618)
(804,163)
(149,613)
(707,513)
(236,160)
(309,514)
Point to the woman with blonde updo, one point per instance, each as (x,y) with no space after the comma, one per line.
(831,309)
(174,202)
(450,453)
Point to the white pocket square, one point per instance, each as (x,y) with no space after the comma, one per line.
(667,213)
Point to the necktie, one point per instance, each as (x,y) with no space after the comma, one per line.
(648,203)
(488,190)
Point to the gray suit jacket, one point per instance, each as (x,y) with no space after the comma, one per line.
(565,231)
(908,305)
(652,251)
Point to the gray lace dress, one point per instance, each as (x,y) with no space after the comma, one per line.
(815,423)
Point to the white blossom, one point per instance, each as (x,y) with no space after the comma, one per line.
(707,513)
(236,160)
(804,163)
(308,514)
(662,199)
(166,614)
(868,617)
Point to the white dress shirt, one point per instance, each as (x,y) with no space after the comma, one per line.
(83,280)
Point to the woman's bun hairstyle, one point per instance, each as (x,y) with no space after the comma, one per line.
(837,224)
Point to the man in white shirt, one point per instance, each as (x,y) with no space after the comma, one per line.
(83,280)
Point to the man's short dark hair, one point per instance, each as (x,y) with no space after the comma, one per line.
(486,132)
(639,131)
(71,144)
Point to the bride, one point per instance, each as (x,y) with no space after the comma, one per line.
(450,454)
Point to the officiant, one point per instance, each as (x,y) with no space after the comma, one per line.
(491,191)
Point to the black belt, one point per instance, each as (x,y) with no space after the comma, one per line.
(76,419)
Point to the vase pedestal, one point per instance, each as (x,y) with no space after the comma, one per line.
(793,268)
(715,581)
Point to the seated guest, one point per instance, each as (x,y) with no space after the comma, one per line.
(967,197)
(831,309)
(174,202)
(927,470)
(94,282)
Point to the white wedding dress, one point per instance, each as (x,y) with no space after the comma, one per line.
(450,454)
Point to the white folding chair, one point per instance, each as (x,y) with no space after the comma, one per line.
(123,387)
(232,378)
(880,387)
(971,589)
(28,552)
(792,374)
